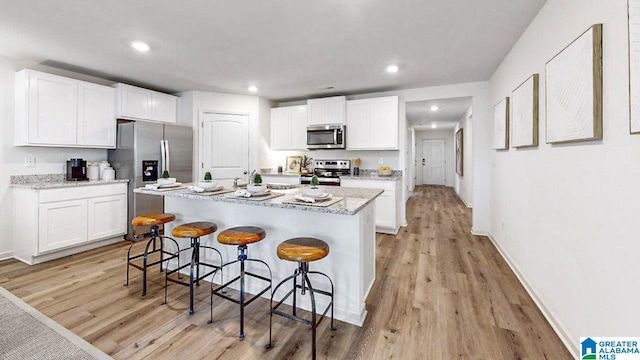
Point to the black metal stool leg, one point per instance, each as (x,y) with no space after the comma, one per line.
(314,325)
(242,256)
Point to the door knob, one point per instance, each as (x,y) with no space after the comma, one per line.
(245,172)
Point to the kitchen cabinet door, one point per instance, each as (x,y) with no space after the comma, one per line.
(96,115)
(52,109)
(107,216)
(163,107)
(358,125)
(280,128)
(299,128)
(62,224)
(289,128)
(384,123)
(324,111)
(135,102)
(386,209)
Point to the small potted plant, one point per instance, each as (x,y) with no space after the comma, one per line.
(207,183)
(166,179)
(313,189)
(305,164)
(257,185)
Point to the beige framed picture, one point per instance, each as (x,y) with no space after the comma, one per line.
(293,164)
(573,89)
(501,125)
(524,114)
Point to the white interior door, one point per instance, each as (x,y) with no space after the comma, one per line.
(225,145)
(433,162)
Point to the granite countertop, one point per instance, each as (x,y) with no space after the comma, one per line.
(64,184)
(354,199)
(52,181)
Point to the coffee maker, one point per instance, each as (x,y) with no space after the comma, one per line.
(77,170)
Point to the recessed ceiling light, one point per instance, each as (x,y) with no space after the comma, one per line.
(434,108)
(140,46)
(392,68)
(433,126)
(253,88)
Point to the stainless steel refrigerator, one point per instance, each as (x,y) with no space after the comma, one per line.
(144,150)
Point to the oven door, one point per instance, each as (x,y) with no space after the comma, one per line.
(324,181)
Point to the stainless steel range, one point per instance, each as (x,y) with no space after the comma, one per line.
(328,172)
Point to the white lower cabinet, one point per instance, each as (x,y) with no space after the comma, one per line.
(51,223)
(62,224)
(100,226)
(387,204)
(284,179)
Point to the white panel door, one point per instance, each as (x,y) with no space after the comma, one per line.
(53,109)
(384,122)
(358,124)
(107,216)
(433,162)
(55,228)
(225,145)
(96,115)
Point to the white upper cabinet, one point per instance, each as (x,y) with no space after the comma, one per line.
(289,128)
(372,124)
(324,111)
(52,110)
(96,115)
(142,104)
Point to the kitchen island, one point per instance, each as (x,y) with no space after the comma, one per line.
(348,227)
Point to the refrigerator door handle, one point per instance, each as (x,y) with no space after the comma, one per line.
(163,156)
(167,154)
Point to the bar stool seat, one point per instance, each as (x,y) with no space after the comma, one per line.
(194,231)
(241,236)
(152,220)
(302,250)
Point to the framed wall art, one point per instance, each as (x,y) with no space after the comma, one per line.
(459,153)
(293,164)
(634,66)
(524,114)
(574,90)
(501,125)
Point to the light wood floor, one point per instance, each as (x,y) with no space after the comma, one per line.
(440,293)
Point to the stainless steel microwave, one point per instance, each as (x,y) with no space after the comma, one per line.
(326,137)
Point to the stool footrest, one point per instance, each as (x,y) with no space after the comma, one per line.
(217,290)
(298,318)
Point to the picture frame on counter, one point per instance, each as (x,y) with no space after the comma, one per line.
(573,86)
(524,113)
(293,164)
(501,125)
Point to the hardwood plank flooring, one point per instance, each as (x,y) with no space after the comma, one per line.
(440,293)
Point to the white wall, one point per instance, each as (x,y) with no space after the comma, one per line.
(48,160)
(463,185)
(447,136)
(570,212)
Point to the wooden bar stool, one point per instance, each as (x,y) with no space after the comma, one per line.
(241,237)
(152,220)
(194,231)
(302,250)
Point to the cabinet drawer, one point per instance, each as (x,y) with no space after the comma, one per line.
(81,192)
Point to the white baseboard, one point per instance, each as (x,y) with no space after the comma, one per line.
(470,206)
(479,232)
(557,326)
(6,255)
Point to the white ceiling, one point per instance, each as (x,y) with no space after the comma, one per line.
(288,48)
(449,112)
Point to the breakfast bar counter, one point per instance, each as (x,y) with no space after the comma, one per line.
(347,225)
